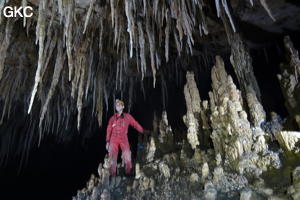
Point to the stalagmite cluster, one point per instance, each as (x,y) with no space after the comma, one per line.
(229,120)
(240,142)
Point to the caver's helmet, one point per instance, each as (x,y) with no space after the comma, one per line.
(120,102)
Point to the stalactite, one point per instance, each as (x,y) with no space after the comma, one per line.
(217,2)
(60,10)
(101,38)
(167,35)
(130,24)
(142,50)
(5,44)
(226,8)
(178,44)
(55,78)
(82,62)
(88,15)
(40,37)
(53,15)
(24,4)
(152,49)
(267,8)
(99,107)
(2,3)
(251,2)
(112,8)
(48,50)
(69,7)
(203,24)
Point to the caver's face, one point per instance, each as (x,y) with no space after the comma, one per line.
(119,107)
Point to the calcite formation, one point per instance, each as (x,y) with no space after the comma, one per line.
(193,104)
(289,140)
(232,135)
(241,144)
(289,80)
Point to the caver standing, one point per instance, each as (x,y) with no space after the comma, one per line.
(116,136)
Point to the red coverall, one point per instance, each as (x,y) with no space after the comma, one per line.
(116,135)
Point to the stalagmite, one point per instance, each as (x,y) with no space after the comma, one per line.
(40,37)
(192,99)
(243,147)
(228,119)
(151,148)
(257,113)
